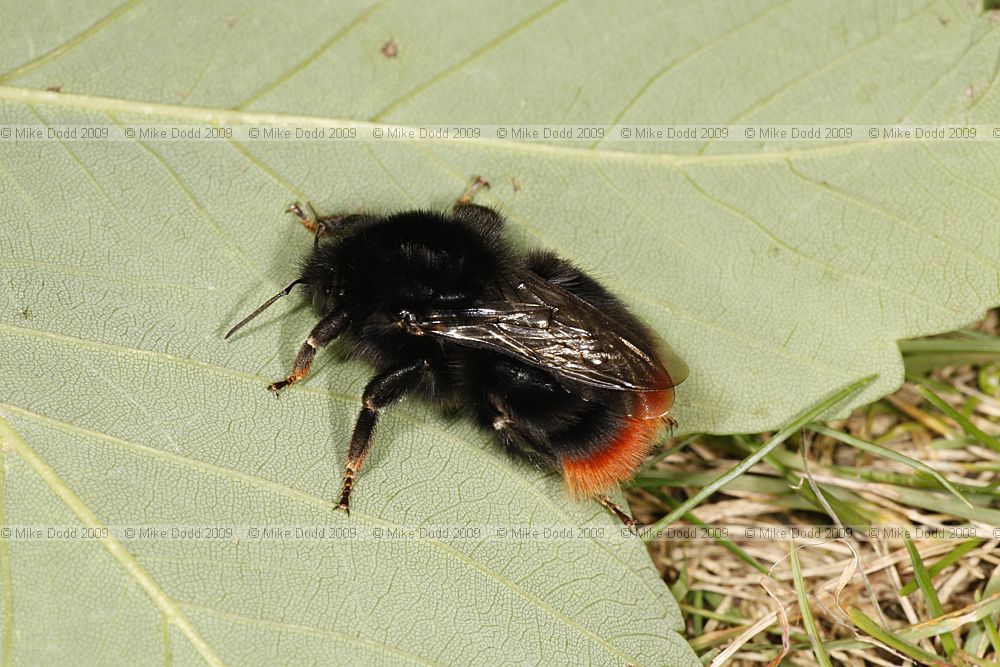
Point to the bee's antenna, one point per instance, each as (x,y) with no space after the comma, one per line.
(264,306)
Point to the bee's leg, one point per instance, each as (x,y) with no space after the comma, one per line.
(308,220)
(518,444)
(617,511)
(318,225)
(322,334)
(484,218)
(466,198)
(516,440)
(382,391)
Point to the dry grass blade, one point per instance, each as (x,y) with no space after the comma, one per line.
(947,623)
(884,471)
(768,585)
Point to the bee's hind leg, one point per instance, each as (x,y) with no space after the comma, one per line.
(617,511)
(484,218)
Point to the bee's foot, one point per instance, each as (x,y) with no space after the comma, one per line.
(276,387)
(306,216)
(628,521)
(477,183)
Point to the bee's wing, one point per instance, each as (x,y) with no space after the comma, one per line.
(531,319)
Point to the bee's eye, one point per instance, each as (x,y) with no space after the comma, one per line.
(320,302)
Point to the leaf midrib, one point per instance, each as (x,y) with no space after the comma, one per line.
(228,117)
(166,604)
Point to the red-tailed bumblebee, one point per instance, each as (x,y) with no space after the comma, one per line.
(527,344)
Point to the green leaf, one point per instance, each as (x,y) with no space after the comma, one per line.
(778,271)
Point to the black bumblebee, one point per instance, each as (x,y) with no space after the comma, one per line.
(528,345)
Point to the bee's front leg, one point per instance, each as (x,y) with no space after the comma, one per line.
(322,334)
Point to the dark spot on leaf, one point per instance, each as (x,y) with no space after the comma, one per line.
(390,49)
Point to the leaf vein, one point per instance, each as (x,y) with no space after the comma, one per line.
(6,578)
(115,549)
(71,44)
(475,55)
(230,246)
(411,417)
(892,215)
(284,626)
(312,57)
(791,85)
(226,117)
(677,62)
(809,258)
(135,568)
(117,277)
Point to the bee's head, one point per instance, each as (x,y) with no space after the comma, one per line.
(324,298)
(319,274)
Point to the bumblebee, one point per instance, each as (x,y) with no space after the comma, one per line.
(529,346)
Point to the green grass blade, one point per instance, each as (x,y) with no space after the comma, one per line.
(807,617)
(755,458)
(651,463)
(990,621)
(680,588)
(930,595)
(786,464)
(951,345)
(695,610)
(963,421)
(887,453)
(697,621)
(725,542)
(870,627)
(938,567)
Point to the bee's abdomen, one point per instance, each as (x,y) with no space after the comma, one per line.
(604,467)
